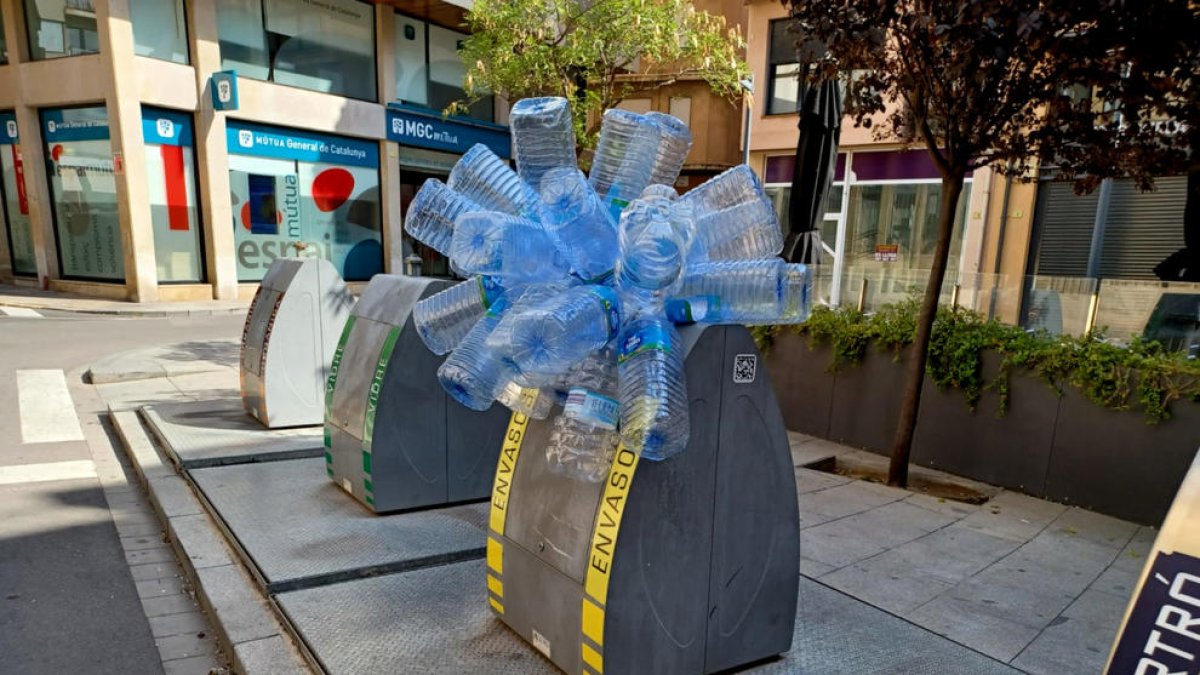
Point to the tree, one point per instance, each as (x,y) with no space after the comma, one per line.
(999,82)
(597,52)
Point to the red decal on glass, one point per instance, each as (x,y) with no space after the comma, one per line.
(331,188)
(176,181)
(19,169)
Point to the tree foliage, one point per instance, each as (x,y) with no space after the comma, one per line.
(597,52)
(1097,89)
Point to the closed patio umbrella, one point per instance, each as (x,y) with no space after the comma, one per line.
(816,153)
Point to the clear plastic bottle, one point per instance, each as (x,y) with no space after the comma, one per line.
(585,434)
(624,159)
(653,389)
(573,215)
(748,230)
(674,142)
(731,187)
(487,180)
(512,249)
(543,136)
(653,245)
(557,333)
(444,319)
(472,372)
(432,212)
(746,292)
(532,401)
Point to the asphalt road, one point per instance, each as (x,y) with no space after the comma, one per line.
(68,603)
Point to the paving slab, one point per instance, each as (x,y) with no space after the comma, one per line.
(974,624)
(1078,640)
(297,529)
(862,535)
(217,432)
(437,620)
(839,501)
(1014,516)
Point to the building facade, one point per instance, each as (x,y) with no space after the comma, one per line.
(1028,252)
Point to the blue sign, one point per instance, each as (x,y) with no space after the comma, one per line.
(224,90)
(166,127)
(1161,634)
(8,129)
(242,138)
(75,124)
(425,128)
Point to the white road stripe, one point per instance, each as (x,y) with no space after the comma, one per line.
(37,473)
(47,411)
(19,311)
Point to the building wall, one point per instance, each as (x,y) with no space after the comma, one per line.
(123,82)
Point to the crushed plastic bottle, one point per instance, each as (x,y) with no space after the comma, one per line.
(472,372)
(574,217)
(432,213)
(728,188)
(444,319)
(654,244)
(512,249)
(555,334)
(653,389)
(675,140)
(543,137)
(746,292)
(585,433)
(532,401)
(487,180)
(624,159)
(748,230)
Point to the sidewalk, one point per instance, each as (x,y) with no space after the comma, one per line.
(1029,583)
(32,298)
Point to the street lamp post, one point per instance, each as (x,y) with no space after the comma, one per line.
(748,104)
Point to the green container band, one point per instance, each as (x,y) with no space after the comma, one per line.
(334,366)
(385,355)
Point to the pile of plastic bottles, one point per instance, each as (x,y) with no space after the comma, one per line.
(575,283)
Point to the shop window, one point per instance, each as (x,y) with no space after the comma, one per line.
(896,224)
(429,70)
(175,218)
(59,28)
(159,29)
(83,193)
(783,70)
(303,194)
(15,199)
(326,46)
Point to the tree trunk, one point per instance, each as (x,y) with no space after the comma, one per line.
(910,405)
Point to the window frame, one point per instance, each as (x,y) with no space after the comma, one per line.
(31,36)
(770,72)
(203,243)
(187,43)
(425,24)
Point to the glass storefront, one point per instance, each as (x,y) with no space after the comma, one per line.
(323,45)
(59,28)
(159,29)
(83,193)
(15,199)
(307,194)
(171,170)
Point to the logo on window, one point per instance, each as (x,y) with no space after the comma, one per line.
(11,128)
(166,128)
(246,138)
(51,126)
(224,91)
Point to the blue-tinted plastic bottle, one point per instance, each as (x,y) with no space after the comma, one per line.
(543,137)
(653,389)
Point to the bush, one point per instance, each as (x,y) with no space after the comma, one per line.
(1109,375)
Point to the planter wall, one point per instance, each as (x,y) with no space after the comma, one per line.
(1065,449)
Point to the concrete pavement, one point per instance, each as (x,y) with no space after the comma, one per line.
(87,583)
(1037,585)
(23,297)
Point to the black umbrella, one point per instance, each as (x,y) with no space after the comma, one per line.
(816,154)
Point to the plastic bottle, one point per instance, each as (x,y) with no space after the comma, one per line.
(512,249)
(653,389)
(444,319)
(747,292)
(432,213)
(653,245)
(487,180)
(543,136)
(748,230)
(472,372)
(731,187)
(624,159)
(557,333)
(585,434)
(674,142)
(573,215)
(532,401)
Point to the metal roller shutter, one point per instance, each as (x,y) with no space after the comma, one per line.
(1065,223)
(1143,228)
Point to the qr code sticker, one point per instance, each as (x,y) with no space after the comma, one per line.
(745,367)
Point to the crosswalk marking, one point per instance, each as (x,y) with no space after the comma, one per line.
(37,473)
(19,311)
(46,409)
